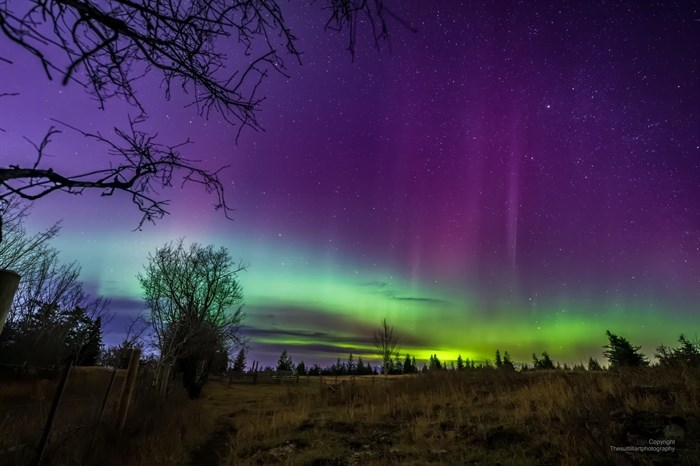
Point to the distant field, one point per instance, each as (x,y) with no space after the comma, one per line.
(471,417)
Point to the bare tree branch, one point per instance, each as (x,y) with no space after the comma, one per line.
(141,168)
(347,15)
(194,301)
(107,46)
(386,343)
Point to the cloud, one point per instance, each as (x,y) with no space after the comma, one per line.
(268,332)
(374,284)
(321,353)
(420,300)
(297,317)
(383,289)
(318,326)
(125,303)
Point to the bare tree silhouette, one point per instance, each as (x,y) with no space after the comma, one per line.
(107,46)
(386,342)
(194,302)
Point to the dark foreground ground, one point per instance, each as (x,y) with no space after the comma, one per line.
(647,417)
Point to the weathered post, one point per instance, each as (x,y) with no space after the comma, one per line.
(128,388)
(105,398)
(52,413)
(98,422)
(165,380)
(9,281)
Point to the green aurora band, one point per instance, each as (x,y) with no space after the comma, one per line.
(342,305)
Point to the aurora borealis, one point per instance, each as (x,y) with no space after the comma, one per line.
(511,175)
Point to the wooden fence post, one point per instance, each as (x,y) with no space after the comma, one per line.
(164,380)
(9,281)
(128,388)
(52,413)
(98,423)
(106,397)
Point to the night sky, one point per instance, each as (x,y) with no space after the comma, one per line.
(512,175)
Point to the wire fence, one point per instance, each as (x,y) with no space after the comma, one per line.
(257,377)
(42,407)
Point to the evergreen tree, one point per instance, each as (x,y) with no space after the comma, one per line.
(338,367)
(397,365)
(435,362)
(414,367)
(686,355)
(544,363)
(621,353)
(360,369)
(507,363)
(285,363)
(315,370)
(351,367)
(499,361)
(82,335)
(239,362)
(301,368)
(407,367)
(460,363)
(91,349)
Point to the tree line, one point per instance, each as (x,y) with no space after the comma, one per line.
(349,366)
(619,352)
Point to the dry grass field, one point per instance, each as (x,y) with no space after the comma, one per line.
(471,417)
(447,417)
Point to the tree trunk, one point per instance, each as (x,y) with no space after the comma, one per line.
(9,281)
